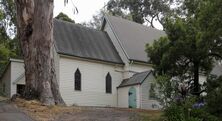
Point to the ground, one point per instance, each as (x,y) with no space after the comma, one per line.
(61,113)
(10,112)
(109,114)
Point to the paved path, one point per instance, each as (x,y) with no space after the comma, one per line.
(9,112)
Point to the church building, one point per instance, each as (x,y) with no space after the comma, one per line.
(107,67)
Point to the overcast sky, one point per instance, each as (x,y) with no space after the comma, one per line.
(86,8)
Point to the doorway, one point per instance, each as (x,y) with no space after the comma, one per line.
(132,97)
(20,88)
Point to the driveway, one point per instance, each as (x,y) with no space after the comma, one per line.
(9,112)
(99,114)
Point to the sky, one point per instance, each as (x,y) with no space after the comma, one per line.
(86,9)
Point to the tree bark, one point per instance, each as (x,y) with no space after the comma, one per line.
(35,30)
(196,79)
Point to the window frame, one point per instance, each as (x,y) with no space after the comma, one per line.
(108,83)
(77,75)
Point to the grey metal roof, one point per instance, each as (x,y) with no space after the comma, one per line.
(134,36)
(79,41)
(135,79)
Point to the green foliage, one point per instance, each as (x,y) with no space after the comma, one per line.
(96,21)
(64,17)
(160,47)
(142,10)
(166,91)
(203,114)
(190,46)
(9,46)
(183,111)
(175,113)
(214,95)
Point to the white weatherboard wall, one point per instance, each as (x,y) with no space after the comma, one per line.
(140,67)
(17,71)
(202,79)
(146,102)
(137,68)
(123,96)
(93,75)
(56,61)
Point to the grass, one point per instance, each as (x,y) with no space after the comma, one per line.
(156,116)
(150,115)
(48,113)
(144,115)
(43,113)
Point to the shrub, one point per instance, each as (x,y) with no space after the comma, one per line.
(184,112)
(174,113)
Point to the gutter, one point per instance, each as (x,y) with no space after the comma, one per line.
(87,58)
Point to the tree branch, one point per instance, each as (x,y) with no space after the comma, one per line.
(158,18)
(215,55)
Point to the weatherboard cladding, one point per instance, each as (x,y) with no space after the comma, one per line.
(79,41)
(133,37)
(135,79)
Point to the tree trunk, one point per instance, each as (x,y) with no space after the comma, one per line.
(196,78)
(35,30)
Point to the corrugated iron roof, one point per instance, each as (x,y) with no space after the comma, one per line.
(79,41)
(134,36)
(135,79)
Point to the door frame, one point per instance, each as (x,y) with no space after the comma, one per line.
(132,92)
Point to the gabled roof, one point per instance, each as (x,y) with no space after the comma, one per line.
(133,36)
(135,79)
(79,41)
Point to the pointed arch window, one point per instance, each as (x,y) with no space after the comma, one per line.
(77,80)
(108,83)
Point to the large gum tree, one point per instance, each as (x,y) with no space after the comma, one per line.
(35,32)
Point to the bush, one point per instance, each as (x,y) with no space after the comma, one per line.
(174,113)
(184,112)
(202,114)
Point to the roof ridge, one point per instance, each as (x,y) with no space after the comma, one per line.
(119,17)
(148,71)
(133,36)
(77,24)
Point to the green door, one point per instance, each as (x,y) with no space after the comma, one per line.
(132,97)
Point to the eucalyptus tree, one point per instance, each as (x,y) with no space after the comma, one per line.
(144,11)
(64,17)
(35,32)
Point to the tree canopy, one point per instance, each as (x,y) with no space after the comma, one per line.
(64,17)
(192,45)
(144,11)
(9,46)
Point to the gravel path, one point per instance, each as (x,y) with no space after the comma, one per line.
(9,112)
(99,114)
